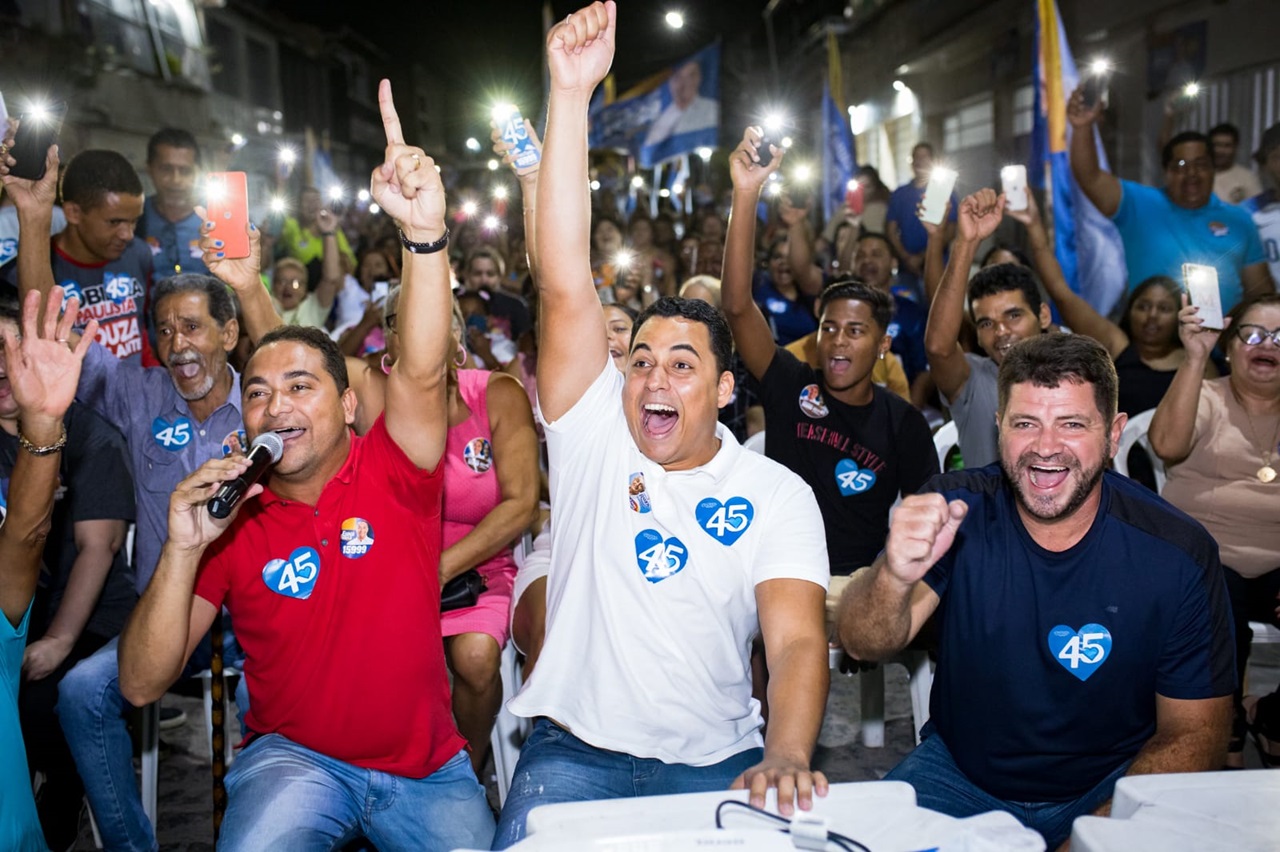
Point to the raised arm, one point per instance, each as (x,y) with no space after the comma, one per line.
(331,263)
(572,345)
(808,276)
(528,190)
(1078,314)
(1102,188)
(935,252)
(884,606)
(243,275)
(751,332)
(979,215)
(1173,426)
(43,374)
(408,187)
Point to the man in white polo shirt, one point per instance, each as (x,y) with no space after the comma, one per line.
(672,545)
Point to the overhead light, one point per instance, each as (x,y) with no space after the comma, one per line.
(675,20)
(637,182)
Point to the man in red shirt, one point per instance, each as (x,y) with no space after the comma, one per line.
(344,658)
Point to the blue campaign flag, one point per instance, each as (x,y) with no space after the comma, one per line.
(1086,243)
(838,159)
(672,115)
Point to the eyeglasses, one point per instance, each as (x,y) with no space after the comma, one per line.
(390,321)
(1183,166)
(1252,335)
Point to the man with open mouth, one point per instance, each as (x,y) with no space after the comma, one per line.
(1087,628)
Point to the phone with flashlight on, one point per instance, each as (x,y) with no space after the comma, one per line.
(38,128)
(1097,85)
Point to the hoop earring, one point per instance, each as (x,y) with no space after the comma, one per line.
(461,362)
(386,368)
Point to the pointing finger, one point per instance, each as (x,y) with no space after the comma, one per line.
(390,119)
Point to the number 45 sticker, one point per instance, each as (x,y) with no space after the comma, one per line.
(1080,652)
(171,436)
(727,521)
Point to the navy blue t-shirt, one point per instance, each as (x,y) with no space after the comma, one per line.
(1049,663)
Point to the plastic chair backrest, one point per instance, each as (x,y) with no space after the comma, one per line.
(1135,432)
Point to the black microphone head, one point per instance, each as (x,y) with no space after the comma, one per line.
(273,443)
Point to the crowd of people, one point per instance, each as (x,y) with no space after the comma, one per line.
(576,389)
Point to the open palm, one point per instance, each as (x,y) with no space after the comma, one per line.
(43,371)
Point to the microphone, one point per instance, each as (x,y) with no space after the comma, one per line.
(266,450)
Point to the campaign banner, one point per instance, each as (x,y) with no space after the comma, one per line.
(668,116)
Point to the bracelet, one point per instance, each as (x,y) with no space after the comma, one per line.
(328,233)
(42,451)
(425,248)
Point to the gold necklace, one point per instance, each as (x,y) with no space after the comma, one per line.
(1266,473)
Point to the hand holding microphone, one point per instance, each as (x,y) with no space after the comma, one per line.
(266,451)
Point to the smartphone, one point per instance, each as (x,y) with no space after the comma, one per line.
(1013,182)
(936,195)
(380,291)
(37,130)
(227,201)
(525,155)
(1097,88)
(766,156)
(1202,287)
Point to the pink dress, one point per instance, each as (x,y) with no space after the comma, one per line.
(470,493)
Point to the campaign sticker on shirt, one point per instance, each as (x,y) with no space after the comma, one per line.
(8,250)
(193,249)
(71,290)
(357,537)
(478,454)
(235,442)
(294,577)
(119,287)
(637,496)
(812,403)
(852,479)
(1219,229)
(1081,651)
(153,243)
(172,436)
(727,521)
(659,558)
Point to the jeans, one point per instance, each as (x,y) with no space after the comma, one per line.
(942,787)
(555,766)
(92,712)
(286,798)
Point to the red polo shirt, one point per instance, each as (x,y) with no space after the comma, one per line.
(337,607)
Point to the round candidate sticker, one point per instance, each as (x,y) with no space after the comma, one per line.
(357,537)
(235,442)
(478,454)
(811,402)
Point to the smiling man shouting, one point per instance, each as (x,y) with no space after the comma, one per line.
(1086,634)
(672,545)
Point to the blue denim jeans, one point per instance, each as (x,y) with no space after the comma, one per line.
(942,787)
(92,713)
(286,798)
(555,766)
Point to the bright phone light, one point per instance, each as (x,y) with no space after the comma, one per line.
(1100,67)
(624,258)
(675,20)
(677,189)
(705,154)
(664,193)
(375,209)
(775,189)
(1191,90)
(473,144)
(493,165)
(37,112)
(500,193)
(287,155)
(941,172)
(802,173)
(491,223)
(774,121)
(215,190)
(469,208)
(237,139)
(637,182)
(595,185)
(502,112)
(278,204)
(335,193)
(362,196)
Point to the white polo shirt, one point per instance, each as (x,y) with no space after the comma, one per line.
(651,603)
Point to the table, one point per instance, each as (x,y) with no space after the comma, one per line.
(1206,811)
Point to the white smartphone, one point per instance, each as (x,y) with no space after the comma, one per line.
(1013,181)
(937,194)
(380,290)
(1202,287)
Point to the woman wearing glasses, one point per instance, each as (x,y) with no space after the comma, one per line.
(1219,439)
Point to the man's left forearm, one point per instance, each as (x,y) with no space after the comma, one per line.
(799,679)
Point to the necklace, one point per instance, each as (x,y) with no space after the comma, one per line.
(1266,473)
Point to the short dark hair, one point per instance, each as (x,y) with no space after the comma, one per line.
(92,174)
(1166,153)
(1226,129)
(694,310)
(875,235)
(1004,278)
(222,303)
(856,290)
(1013,250)
(925,145)
(335,364)
(1050,359)
(174,137)
(10,303)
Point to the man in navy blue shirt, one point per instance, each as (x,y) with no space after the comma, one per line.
(902,222)
(1084,624)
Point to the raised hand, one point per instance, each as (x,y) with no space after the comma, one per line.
(1080,115)
(1197,340)
(43,371)
(1029,217)
(407,186)
(239,273)
(580,48)
(28,195)
(744,163)
(191,527)
(326,221)
(929,227)
(922,530)
(504,149)
(979,215)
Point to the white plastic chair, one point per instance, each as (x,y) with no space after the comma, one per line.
(1135,432)
(944,441)
(509,730)
(871,695)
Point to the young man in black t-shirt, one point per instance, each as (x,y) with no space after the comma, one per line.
(857,445)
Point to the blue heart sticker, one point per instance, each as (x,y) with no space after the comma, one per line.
(727,521)
(172,436)
(295,578)
(1080,652)
(852,479)
(658,558)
